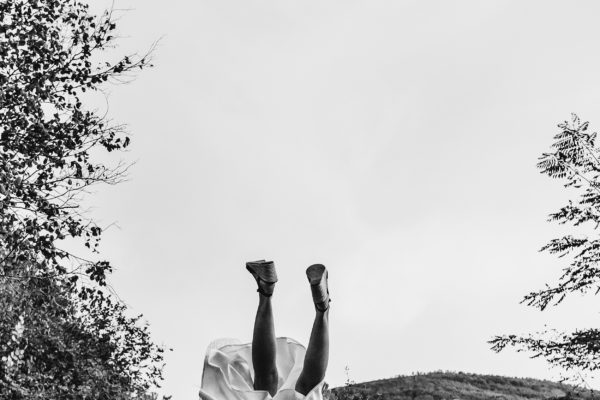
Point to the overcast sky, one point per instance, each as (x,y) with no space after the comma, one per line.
(393,141)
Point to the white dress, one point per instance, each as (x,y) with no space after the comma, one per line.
(228,373)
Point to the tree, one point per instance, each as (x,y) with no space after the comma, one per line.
(575,159)
(63,333)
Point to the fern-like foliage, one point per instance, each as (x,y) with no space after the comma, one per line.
(575,160)
(579,350)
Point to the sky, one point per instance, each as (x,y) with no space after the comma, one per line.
(393,141)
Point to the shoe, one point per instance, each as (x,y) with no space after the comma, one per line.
(265,275)
(317,277)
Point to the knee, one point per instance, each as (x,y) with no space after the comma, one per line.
(266,380)
(306,382)
(267,375)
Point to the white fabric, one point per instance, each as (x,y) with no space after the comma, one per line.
(228,373)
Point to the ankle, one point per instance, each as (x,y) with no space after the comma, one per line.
(322,307)
(265,289)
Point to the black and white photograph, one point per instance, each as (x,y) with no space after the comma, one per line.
(299,200)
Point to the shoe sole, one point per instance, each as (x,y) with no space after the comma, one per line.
(259,273)
(317,277)
(315,273)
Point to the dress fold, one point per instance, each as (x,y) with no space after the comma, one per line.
(228,372)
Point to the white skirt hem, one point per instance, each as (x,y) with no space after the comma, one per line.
(228,373)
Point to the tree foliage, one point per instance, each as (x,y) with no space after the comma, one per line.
(63,334)
(575,160)
(446,385)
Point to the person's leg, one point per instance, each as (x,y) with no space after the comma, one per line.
(317,354)
(264,347)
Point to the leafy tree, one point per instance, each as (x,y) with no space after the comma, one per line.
(574,159)
(63,334)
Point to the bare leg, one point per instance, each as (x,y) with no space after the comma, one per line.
(264,348)
(317,354)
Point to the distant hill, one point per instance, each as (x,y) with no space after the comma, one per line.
(458,385)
